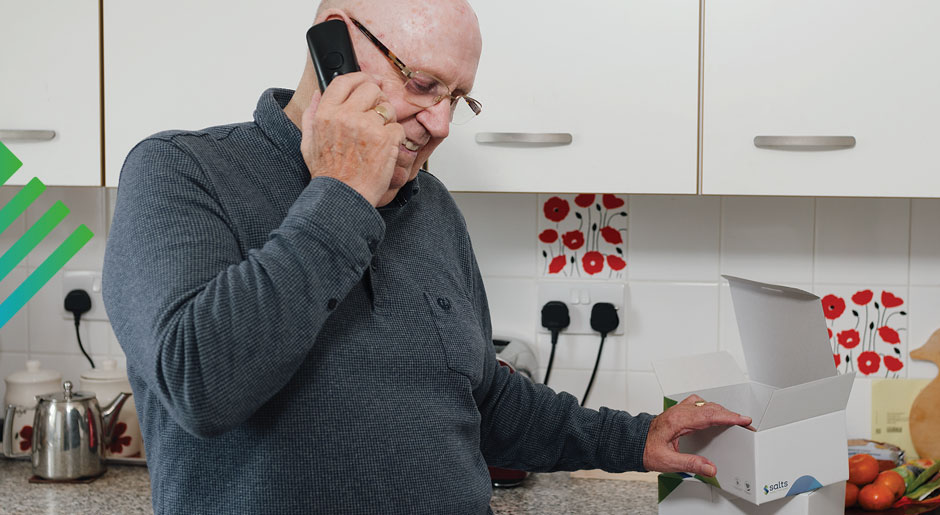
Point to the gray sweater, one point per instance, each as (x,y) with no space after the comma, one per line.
(293,349)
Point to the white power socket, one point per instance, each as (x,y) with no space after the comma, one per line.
(580,298)
(91,283)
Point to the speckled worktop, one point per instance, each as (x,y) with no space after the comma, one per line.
(125,489)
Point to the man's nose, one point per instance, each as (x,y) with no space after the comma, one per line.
(436,119)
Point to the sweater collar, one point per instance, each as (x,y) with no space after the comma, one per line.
(273,121)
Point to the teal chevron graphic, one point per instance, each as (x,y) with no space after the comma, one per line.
(9,164)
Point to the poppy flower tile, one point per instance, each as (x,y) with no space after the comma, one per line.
(582,236)
(867,329)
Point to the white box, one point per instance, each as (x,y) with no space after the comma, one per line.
(792,392)
(693,496)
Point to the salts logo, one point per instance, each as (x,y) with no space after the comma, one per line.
(11,257)
(776,486)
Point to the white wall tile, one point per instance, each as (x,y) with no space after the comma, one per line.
(643,393)
(858,410)
(673,238)
(579,351)
(98,343)
(609,390)
(668,320)
(503,230)
(14,336)
(10,362)
(513,309)
(86,206)
(862,240)
(768,239)
(925,320)
(598,231)
(729,338)
(49,332)
(925,242)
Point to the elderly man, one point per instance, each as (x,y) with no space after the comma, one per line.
(305,325)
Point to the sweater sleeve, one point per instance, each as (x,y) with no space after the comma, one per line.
(527,426)
(213,332)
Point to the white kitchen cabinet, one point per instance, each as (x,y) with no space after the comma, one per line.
(178,64)
(619,76)
(49,90)
(865,69)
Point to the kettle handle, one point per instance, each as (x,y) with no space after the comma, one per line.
(8,431)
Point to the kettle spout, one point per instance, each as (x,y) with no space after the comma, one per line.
(109,413)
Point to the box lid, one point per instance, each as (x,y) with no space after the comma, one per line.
(783,333)
(697,373)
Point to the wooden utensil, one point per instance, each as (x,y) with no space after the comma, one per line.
(925,411)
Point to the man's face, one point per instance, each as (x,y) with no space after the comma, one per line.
(439,43)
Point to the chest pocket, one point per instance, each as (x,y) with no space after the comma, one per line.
(460,334)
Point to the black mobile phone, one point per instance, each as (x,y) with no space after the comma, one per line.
(331,51)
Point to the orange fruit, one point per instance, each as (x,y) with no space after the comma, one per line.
(893,481)
(851,495)
(875,497)
(863,469)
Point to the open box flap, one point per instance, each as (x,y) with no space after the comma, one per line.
(806,400)
(697,373)
(783,333)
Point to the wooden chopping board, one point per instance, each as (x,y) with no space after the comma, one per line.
(925,411)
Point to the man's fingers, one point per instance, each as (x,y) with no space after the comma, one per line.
(365,96)
(342,86)
(692,464)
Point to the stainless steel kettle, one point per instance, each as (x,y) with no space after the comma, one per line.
(70,433)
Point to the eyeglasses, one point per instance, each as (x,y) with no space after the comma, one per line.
(425,90)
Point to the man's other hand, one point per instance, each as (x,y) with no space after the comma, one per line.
(344,137)
(662,442)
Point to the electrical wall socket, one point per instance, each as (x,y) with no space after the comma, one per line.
(580,298)
(91,283)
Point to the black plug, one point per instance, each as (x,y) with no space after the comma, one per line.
(554,318)
(604,319)
(78,302)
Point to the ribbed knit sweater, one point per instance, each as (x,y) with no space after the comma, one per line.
(293,349)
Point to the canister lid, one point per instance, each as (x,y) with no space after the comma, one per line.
(107,371)
(33,374)
(67,395)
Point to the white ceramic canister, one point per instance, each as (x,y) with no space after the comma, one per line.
(22,389)
(107,381)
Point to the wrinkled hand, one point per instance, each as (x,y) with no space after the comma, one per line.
(344,138)
(662,442)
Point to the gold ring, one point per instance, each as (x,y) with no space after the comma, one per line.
(383,112)
(699,403)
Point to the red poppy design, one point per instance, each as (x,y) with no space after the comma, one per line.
(118,442)
(893,364)
(612,202)
(833,306)
(889,335)
(837,358)
(862,297)
(548,236)
(830,333)
(27,435)
(556,209)
(557,264)
(888,300)
(849,338)
(611,235)
(593,262)
(574,240)
(616,263)
(869,362)
(584,200)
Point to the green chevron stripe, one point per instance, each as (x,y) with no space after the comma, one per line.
(9,164)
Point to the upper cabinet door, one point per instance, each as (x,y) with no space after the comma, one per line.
(620,77)
(180,64)
(50,114)
(808,76)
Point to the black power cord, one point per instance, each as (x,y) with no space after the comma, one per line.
(79,302)
(554,318)
(604,319)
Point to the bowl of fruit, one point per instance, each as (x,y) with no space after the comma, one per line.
(909,489)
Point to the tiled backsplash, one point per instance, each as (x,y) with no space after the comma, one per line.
(675,303)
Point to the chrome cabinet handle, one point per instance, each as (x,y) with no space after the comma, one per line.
(804,142)
(6,135)
(528,139)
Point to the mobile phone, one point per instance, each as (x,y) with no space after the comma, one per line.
(331,51)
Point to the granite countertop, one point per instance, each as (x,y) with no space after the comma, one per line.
(125,489)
